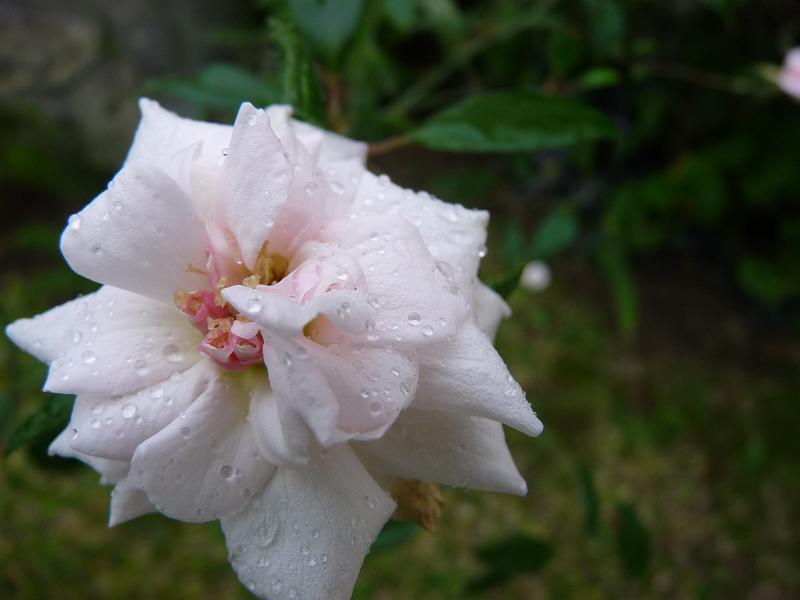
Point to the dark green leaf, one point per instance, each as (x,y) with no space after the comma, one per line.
(615,264)
(606,22)
(598,77)
(589,499)
(506,283)
(556,232)
(44,424)
(513,122)
(393,534)
(299,82)
(401,13)
(517,554)
(328,24)
(221,86)
(633,541)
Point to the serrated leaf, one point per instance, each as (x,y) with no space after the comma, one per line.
(517,554)
(393,534)
(633,541)
(515,121)
(327,24)
(44,424)
(299,83)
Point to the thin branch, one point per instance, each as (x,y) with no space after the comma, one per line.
(388,145)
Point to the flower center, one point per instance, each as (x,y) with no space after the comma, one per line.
(232,340)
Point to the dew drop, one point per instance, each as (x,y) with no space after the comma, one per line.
(74,222)
(185,432)
(375,407)
(172,353)
(76,337)
(97,408)
(254,306)
(141,367)
(88,357)
(96,249)
(227,472)
(95,423)
(414,318)
(128,411)
(427,330)
(157,393)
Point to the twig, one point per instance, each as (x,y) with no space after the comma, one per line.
(388,145)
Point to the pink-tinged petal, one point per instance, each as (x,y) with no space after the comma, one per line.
(113,428)
(205,463)
(307,533)
(490,309)
(142,235)
(454,235)
(468,377)
(256,182)
(114,342)
(448,448)
(412,300)
(349,311)
(162,135)
(282,439)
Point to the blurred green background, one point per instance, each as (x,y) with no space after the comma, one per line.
(639,148)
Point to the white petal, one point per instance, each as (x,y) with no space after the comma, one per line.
(128,503)
(454,235)
(114,342)
(162,134)
(490,309)
(111,471)
(306,534)
(204,464)
(467,376)
(456,450)
(281,439)
(113,428)
(141,235)
(414,302)
(257,177)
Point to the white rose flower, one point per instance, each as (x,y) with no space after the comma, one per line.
(789,76)
(283,341)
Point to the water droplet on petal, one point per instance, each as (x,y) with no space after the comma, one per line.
(227,472)
(414,318)
(172,353)
(95,423)
(129,410)
(427,330)
(88,357)
(253,306)
(141,367)
(74,222)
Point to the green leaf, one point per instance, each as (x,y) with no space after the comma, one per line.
(393,534)
(633,541)
(589,499)
(401,13)
(556,232)
(606,22)
(299,83)
(328,24)
(221,86)
(599,77)
(44,424)
(615,264)
(517,121)
(517,554)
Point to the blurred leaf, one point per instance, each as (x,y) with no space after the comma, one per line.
(299,82)
(328,24)
(599,77)
(513,122)
(615,264)
(563,52)
(44,424)
(555,233)
(767,280)
(633,541)
(393,534)
(517,554)
(589,499)
(401,13)
(606,22)
(221,86)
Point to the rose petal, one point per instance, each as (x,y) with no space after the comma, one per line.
(142,235)
(448,448)
(490,309)
(205,464)
(281,439)
(307,533)
(467,376)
